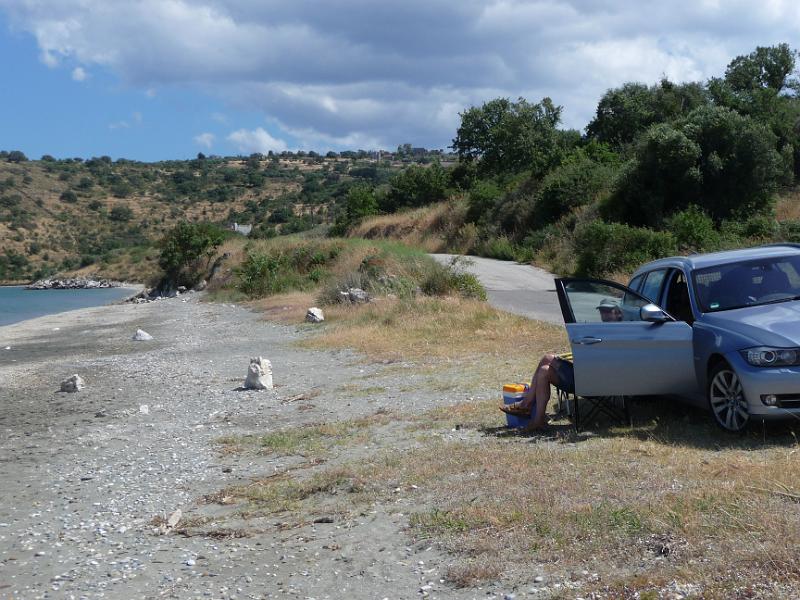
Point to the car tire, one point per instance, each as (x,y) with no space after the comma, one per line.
(726,399)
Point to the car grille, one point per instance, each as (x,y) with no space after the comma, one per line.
(788,400)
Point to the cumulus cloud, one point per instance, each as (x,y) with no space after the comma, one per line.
(204,139)
(256,140)
(383,73)
(79,74)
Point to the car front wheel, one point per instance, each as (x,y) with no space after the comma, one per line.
(726,399)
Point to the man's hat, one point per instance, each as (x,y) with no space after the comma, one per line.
(607,303)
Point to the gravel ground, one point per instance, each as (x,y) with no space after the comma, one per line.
(83,475)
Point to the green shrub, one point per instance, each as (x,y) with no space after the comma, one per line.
(567,187)
(604,248)
(693,230)
(185,248)
(68,196)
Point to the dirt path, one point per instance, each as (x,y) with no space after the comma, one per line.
(520,289)
(88,476)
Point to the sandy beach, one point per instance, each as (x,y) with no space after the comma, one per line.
(88,476)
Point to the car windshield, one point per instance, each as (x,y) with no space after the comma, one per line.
(736,285)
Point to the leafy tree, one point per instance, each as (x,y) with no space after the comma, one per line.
(721,161)
(508,137)
(625,112)
(766,68)
(416,186)
(185,249)
(360,203)
(16,156)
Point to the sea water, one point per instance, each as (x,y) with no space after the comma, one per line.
(18,304)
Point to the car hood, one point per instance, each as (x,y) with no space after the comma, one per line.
(771,324)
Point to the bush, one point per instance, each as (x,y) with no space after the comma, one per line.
(68,196)
(121,214)
(693,230)
(416,186)
(183,250)
(567,187)
(605,248)
(444,280)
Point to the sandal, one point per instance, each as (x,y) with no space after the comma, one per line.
(516,409)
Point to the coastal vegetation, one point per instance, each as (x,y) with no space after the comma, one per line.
(661,169)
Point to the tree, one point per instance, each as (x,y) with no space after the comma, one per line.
(625,112)
(416,186)
(765,68)
(717,159)
(360,203)
(509,137)
(16,156)
(68,196)
(185,248)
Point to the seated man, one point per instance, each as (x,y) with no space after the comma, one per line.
(551,370)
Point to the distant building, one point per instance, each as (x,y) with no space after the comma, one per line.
(243,229)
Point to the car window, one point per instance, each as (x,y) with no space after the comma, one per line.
(652,284)
(636,282)
(594,301)
(677,302)
(736,285)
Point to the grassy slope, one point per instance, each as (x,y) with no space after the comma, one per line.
(53,234)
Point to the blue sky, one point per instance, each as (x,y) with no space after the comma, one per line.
(160,79)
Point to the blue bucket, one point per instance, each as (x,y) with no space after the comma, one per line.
(514,392)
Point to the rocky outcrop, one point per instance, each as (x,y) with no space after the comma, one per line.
(73,384)
(259,374)
(78,283)
(354,296)
(315,315)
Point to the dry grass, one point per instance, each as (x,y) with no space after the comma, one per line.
(436,228)
(787,207)
(642,508)
(447,328)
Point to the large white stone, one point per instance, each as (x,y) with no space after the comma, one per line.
(73,384)
(259,374)
(142,336)
(315,315)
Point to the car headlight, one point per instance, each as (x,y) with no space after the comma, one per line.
(764,356)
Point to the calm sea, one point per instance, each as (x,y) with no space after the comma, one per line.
(18,304)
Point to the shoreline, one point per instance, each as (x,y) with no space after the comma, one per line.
(131,289)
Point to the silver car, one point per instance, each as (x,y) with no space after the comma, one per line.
(720,329)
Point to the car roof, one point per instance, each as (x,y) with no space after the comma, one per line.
(711,259)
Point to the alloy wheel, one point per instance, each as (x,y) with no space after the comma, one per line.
(726,397)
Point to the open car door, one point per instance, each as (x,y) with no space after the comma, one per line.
(619,349)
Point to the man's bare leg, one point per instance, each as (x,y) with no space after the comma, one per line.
(542,394)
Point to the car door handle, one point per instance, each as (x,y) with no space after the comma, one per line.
(586,341)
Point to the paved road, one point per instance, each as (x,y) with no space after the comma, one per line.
(520,289)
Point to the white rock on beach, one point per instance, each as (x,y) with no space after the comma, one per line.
(315,315)
(73,384)
(259,374)
(142,336)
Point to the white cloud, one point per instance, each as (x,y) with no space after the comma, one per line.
(119,125)
(204,139)
(388,72)
(79,74)
(249,141)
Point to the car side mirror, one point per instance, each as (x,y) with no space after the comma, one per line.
(652,314)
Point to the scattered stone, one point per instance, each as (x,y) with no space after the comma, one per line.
(174,518)
(144,409)
(142,336)
(79,283)
(354,296)
(200,286)
(538,579)
(259,374)
(315,315)
(323,520)
(73,384)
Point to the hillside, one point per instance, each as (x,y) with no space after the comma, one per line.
(104,216)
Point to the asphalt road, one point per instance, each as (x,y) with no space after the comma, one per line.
(516,288)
